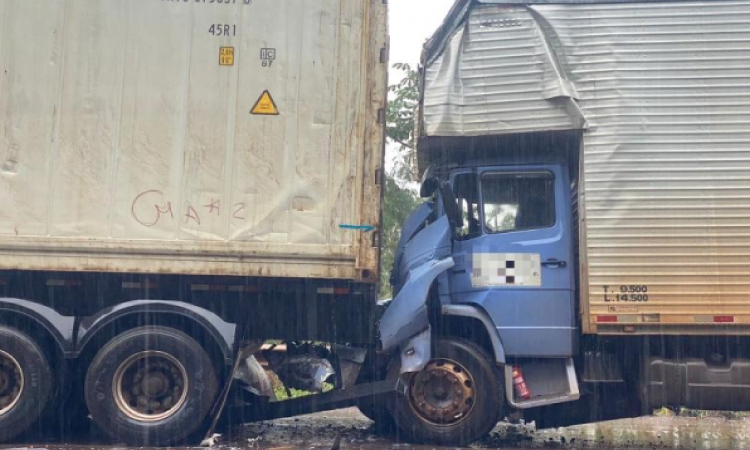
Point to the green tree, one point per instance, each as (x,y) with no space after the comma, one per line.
(402,107)
(399,199)
(399,202)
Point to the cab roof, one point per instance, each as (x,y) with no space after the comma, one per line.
(461,9)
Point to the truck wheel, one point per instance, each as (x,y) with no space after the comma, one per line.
(25,383)
(376,409)
(151,386)
(454,401)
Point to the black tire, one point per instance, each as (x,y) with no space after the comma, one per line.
(34,393)
(475,423)
(114,362)
(376,409)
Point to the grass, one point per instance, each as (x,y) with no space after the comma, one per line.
(281,392)
(686,412)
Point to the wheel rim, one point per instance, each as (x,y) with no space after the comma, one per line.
(11,382)
(150,386)
(443,393)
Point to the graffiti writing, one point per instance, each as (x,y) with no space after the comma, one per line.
(149,208)
(239,211)
(156,208)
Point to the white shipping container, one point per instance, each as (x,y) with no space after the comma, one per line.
(234,137)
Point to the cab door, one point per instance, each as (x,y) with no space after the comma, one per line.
(514,257)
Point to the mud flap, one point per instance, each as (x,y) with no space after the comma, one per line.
(244,353)
(255,378)
(550,381)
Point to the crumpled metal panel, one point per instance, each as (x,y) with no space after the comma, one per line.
(409,228)
(497,74)
(665,92)
(128,144)
(461,8)
(426,257)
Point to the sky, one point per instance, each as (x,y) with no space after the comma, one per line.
(412,23)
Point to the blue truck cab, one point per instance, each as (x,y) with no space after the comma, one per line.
(491,249)
(513,256)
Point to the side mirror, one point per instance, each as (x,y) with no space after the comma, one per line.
(429,186)
(450,204)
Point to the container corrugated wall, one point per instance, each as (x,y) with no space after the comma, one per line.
(493,77)
(129,141)
(665,93)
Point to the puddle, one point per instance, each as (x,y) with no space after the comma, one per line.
(350,430)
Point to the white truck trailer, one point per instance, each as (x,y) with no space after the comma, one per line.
(181,173)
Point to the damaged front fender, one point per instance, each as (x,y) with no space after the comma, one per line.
(416,352)
(405,323)
(407,314)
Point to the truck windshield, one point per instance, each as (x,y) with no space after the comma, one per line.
(518,201)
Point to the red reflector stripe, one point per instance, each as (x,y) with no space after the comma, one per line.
(606,319)
(55,283)
(138,285)
(723,319)
(333,291)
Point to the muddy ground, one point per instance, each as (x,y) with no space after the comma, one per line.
(353,431)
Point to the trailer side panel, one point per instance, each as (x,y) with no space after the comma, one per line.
(216,138)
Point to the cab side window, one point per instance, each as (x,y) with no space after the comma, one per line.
(466,190)
(518,201)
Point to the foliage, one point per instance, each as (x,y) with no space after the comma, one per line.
(399,202)
(399,199)
(402,106)
(282,393)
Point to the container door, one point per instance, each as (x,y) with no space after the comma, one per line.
(514,257)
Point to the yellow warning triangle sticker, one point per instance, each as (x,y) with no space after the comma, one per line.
(265,106)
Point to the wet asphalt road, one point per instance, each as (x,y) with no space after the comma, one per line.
(354,431)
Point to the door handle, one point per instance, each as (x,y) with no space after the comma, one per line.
(555,264)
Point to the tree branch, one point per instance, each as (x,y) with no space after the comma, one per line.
(399,141)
